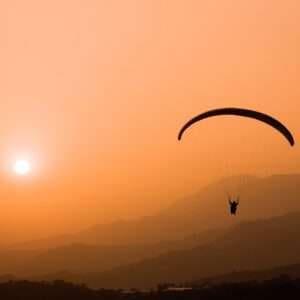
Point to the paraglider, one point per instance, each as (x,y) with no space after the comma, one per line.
(240,112)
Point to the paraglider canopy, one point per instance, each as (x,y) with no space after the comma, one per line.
(242,113)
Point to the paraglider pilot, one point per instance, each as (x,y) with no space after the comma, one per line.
(233,205)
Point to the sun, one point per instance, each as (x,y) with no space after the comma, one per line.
(22,167)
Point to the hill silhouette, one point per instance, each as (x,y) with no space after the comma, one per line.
(205,210)
(83,258)
(293,271)
(278,288)
(190,240)
(254,245)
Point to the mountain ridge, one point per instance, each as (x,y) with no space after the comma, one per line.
(207,209)
(254,245)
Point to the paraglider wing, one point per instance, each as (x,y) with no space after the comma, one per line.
(243,113)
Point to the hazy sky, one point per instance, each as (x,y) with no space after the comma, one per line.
(94,93)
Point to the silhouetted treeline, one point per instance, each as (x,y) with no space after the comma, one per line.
(278,288)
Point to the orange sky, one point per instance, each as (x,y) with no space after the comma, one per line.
(94,93)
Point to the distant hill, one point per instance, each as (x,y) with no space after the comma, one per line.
(188,224)
(260,197)
(83,258)
(293,271)
(254,245)
(238,252)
